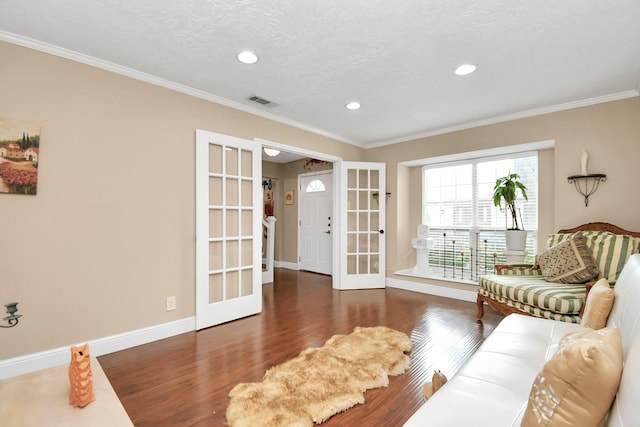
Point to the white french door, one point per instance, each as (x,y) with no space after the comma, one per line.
(228,228)
(362,219)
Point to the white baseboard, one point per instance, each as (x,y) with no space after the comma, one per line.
(288,265)
(432,289)
(98,347)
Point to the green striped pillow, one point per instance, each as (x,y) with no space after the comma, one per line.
(610,251)
(554,239)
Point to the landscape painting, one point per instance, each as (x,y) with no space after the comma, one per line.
(19,156)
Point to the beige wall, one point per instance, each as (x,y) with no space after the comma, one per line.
(610,132)
(111,232)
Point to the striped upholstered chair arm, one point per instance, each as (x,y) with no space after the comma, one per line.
(517,270)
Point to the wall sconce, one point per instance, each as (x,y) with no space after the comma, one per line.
(12,318)
(587,184)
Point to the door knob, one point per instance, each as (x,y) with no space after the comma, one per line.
(327,232)
(381,231)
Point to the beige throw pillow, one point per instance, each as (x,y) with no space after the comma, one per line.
(578,384)
(569,261)
(598,305)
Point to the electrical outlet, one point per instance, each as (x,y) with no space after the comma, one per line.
(171,303)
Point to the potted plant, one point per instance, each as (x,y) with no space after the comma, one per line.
(506,190)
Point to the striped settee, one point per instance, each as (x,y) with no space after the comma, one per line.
(523,289)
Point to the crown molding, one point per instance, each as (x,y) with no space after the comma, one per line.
(157,81)
(167,84)
(513,116)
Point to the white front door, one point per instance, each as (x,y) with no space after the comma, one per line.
(315,219)
(362,220)
(228,228)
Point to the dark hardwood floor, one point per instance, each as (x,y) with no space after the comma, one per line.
(185,380)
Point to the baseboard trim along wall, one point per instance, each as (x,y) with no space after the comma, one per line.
(58,356)
(426,288)
(98,347)
(287,265)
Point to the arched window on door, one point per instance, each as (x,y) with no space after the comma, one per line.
(315,186)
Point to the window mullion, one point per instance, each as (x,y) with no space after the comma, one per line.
(474,195)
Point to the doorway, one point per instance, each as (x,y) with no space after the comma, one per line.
(315,219)
(357,220)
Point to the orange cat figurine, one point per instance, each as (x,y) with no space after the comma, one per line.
(80,377)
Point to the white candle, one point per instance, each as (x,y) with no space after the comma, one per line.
(584,158)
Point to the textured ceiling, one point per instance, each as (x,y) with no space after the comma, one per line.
(395,57)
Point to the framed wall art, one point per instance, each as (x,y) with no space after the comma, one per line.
(288,197)
(19,156)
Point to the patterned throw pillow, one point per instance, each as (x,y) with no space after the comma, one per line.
(569,261)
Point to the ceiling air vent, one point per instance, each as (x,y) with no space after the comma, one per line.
(262,101)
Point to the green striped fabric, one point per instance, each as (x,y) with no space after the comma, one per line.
(520,270)
(610,251)
(536,292)
(535,311)
(554,239)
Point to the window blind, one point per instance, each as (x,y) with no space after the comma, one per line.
(457,204)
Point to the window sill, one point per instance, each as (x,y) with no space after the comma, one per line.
(433,276)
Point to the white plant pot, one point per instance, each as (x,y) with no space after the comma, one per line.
(516,240)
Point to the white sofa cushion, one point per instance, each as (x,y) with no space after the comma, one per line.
(625,315)
(492,388)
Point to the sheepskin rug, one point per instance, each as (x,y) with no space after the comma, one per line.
(321,382)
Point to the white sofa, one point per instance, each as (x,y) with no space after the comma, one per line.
(492,388)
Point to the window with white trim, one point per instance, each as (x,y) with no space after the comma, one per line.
(467,229)
(315,186)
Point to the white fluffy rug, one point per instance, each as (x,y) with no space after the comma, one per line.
(321,382)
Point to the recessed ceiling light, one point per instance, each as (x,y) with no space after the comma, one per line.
(272,152)
(465,69)
(247,57)
(353,105)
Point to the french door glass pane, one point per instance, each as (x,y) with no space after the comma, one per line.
(231,162)
(215,288)
(232,279)
(215,159)
(246,287)
(215,255)
(232,222)
(215,223)
(351,264)
(246,158)
(232,192)
(232,254)
(246,193)
(215,190)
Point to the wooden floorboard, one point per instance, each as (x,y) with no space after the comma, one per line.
(185,380)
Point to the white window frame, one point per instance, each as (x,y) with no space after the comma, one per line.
(485,257)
